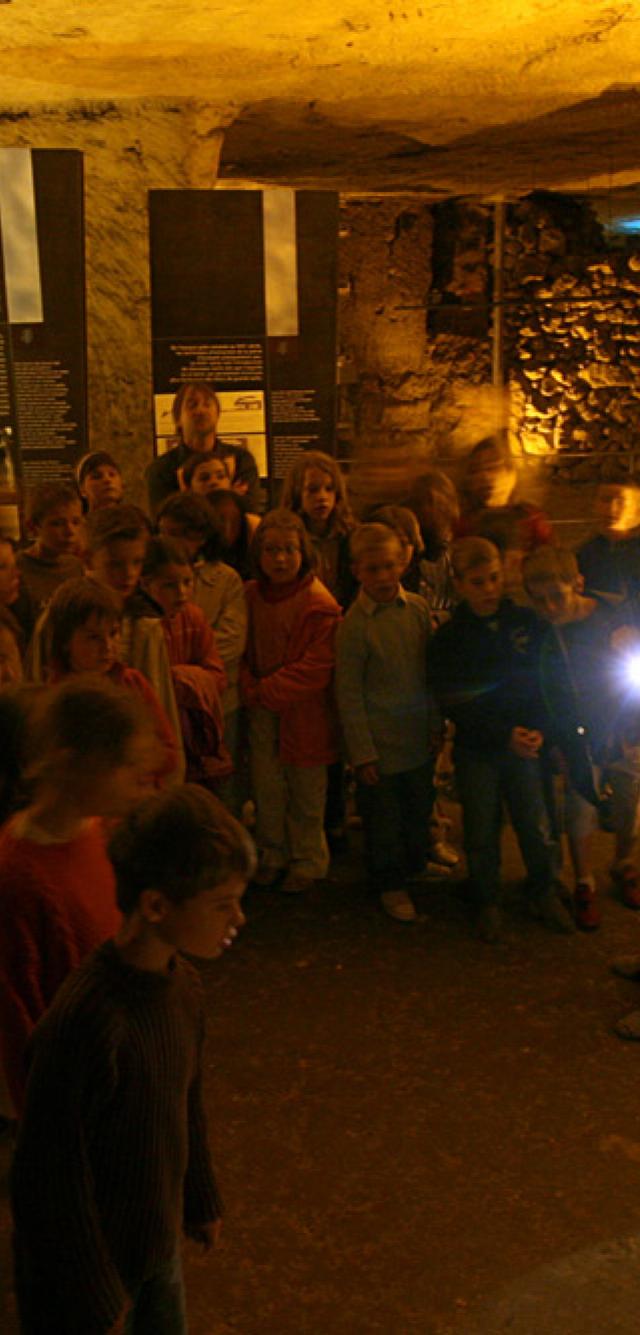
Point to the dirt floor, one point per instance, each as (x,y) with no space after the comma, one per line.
(417,1133)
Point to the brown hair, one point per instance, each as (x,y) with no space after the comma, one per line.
(469,553)
(48,497)
(70,608)
(342,517)
(196,459)
(116,523)
(90,719)
(202,387)
(163,552)
(180,842)
(285,519)
(401,520)
(368,537)
(189,510)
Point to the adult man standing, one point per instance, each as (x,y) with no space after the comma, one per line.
(195,410)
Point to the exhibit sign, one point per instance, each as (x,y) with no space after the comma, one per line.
(43,418)
(244,296)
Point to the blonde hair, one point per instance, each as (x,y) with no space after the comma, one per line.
(342,517)
(369,537)
(469,553)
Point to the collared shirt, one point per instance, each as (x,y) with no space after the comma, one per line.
(386,712)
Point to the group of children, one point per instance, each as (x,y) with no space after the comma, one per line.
(263,659)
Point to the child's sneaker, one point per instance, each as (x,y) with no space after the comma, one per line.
(585,905)
(443,854)
(399,905)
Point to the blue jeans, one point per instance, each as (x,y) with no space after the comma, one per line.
(395,815)
(485,782)
(158,1305)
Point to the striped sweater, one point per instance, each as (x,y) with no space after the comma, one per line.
(112,1158)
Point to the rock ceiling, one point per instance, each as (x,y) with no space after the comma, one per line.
(479,97)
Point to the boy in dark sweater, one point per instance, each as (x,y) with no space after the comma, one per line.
(483,669)
(112,1161)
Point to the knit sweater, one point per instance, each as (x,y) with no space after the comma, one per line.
(112,1157)
(386,712)
(57,903)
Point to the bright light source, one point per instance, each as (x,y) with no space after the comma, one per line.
(631,670)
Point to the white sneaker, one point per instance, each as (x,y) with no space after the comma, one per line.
(399,905)
(444,854)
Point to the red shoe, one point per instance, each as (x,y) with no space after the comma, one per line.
(629,881)
(587,913)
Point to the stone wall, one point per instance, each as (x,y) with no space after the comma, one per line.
(573,341)
(404,390)
(129,148)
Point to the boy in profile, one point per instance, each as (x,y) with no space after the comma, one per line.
(483,668)
(112,1160)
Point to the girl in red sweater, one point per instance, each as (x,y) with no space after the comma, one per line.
(199,677)
(89,750)
(286,682)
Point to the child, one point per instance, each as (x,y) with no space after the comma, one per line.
(112,1161)
(89,754)
(610,561)
(83,629)
(285,681)
(99,480)
(117,537)
(316,489)
(55,517)
(588,718)
(204,473)
(483,667)
(235,529)
(489,485)
(198,674)
(11,647)
(387,715)
(13,597)
(434,501)
(402,521)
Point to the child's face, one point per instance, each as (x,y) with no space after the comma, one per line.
(558,601)
(318,497)
(281,556)
(481,588)
(10,661)
(172,528)
(119,564)
(380,570)
(490,480)
(9,575)
(616,509)
(94,647)
(210,476)
(206,924)
(171,587)
(60,531)
(111,791)
(102,486)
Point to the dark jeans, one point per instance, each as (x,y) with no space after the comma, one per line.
(395,815)
(484,783)
(158,1305)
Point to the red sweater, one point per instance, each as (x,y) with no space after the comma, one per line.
(57,903)
(289,666)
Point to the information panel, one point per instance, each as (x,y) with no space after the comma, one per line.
(244,296)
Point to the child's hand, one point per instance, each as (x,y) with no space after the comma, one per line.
(368,774)
(526,742)
(206,1235)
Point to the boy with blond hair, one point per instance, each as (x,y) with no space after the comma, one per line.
(388,717)
(483,668)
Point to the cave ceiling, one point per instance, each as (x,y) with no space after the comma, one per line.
(480,99)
